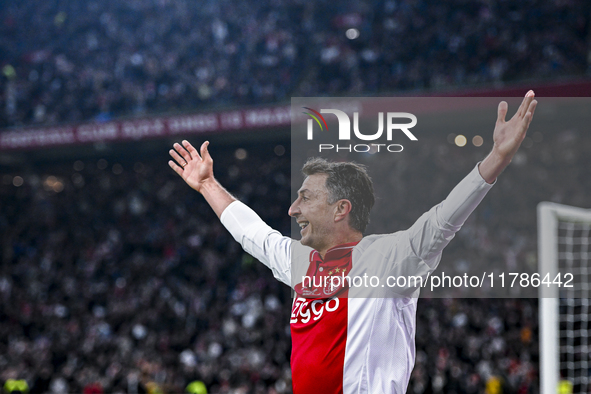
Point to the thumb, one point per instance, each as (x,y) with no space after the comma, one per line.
(204,151)
(502,111)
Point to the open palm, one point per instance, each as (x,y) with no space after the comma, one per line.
(509,135)
(194,168)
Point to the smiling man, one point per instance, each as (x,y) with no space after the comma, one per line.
(345,342)
(333,204)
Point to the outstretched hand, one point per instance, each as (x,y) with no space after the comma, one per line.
(509,135)
(196,169)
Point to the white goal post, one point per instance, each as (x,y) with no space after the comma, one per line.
(564,245)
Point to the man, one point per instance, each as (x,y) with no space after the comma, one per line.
(344,343)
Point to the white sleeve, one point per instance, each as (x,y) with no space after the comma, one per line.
(436,228)
(259,240)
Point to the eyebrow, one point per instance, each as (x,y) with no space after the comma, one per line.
(300,192)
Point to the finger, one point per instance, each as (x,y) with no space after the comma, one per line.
(529,96)
(502,111)
(532,107)
(530,112)
(175,167)
(182,162)
(192,151)
(204,152)
(182,151)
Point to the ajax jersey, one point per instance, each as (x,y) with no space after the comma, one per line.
(344,340)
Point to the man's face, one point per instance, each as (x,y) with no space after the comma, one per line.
(313,213)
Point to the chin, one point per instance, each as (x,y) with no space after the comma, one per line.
(306,241)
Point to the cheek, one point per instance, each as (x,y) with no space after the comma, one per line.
(321,223)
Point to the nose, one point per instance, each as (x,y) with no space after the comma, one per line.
(294,210)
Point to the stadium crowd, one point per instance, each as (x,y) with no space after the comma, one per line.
(117,277)
(78,60)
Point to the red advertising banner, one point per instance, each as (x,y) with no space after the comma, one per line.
(240,120)
(136,129)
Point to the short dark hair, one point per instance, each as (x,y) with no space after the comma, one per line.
(348,181)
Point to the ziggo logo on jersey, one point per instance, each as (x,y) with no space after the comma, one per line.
(302,308)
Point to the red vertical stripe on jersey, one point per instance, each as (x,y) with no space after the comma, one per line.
(319,327)
(318,346)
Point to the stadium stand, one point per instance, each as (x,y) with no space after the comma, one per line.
(117,271)
(76,60)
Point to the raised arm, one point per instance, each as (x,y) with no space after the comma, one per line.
(435,229)
(507,137)
(247,228)
(197,170)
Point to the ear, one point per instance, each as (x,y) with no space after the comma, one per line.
(342,210)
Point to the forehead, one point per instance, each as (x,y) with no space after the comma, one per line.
(314,183)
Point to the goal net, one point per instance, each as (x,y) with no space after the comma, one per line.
(564,239)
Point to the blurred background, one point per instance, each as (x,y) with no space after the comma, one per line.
(116,277)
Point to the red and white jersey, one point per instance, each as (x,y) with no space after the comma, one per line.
(347,344)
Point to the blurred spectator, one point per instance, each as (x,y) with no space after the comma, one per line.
(196,387)
(13,386)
